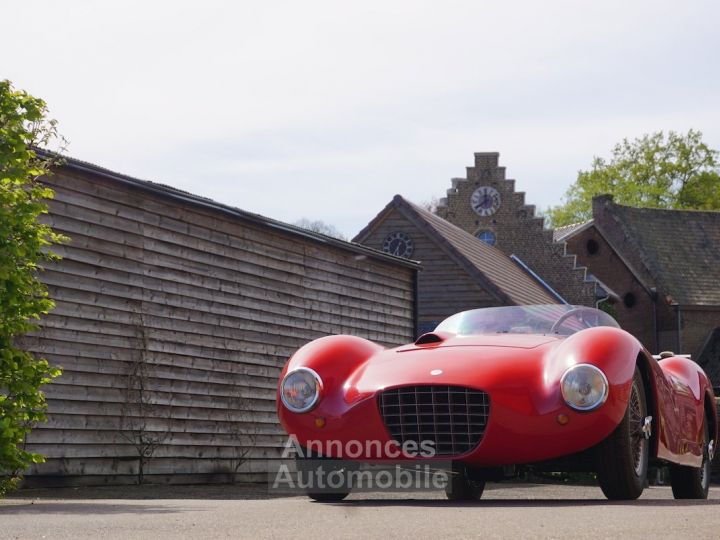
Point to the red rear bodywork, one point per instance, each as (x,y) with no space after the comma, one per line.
(521,375)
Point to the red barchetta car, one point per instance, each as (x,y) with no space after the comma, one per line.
(493,391)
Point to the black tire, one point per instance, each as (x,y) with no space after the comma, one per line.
(623,456)
(693,482)
(309,464)
(461,487)
(328,497)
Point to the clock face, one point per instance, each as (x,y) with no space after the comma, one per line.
(485,201)
(399,244)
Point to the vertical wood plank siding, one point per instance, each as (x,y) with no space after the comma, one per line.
(213,304)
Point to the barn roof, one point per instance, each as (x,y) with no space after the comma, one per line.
(197,200)
(491,267)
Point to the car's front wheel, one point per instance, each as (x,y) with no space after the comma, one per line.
(461,487)
(317,482)
(693,482)
(623,456)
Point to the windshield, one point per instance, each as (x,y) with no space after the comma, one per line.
(559,319)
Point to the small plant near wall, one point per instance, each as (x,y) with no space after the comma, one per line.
(24,243)
(243,431)
(145,424)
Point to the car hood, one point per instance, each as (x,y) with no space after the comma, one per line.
(515,341)
(473,361)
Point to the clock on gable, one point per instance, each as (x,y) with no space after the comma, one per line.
(485,201)
(399,244)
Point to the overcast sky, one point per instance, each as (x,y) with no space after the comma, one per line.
(325,110)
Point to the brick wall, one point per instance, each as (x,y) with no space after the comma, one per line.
(517,229)
(635,308)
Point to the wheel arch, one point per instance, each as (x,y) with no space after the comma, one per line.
(711,413)
(643,364)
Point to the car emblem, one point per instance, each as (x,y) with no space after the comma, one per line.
(436,372)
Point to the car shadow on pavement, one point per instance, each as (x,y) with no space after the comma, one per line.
(521,503)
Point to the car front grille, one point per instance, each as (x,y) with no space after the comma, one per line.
(452,417)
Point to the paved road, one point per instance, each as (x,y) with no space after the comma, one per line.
(227,512)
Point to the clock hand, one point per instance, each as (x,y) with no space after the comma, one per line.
(397,250)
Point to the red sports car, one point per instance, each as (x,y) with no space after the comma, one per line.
(494,391)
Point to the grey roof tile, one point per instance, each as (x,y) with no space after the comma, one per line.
(680,249)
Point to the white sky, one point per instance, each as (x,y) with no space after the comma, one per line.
(325,110)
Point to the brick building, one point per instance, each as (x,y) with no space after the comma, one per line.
(486,205)
(665,266)
(459,272)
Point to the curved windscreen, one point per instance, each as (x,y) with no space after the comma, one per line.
(559,319)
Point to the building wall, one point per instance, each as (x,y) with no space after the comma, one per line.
(644,315)
(203,309)
(696,324)
(444,288)
(635,317)
(517,229)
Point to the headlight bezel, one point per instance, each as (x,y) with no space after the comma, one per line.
(318,390)
(598,403)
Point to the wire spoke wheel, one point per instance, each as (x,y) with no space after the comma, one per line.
(622,458)
(693,482)
(638,442)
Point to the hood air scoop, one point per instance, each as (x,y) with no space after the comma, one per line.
(432,337)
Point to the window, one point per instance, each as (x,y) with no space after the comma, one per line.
(592,247)
(629,300)
(488,237)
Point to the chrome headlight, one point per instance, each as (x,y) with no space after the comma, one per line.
(584,387)
(300,390)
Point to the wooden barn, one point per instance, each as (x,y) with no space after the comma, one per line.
(174,317)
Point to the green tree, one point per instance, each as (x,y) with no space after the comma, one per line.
(321,227)
(655,171)
(24,243)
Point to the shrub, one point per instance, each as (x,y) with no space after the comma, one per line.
(24,243)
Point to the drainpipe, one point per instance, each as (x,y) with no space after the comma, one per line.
(416,308)
(656,337)
(679,333)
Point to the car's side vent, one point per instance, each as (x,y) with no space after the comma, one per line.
(428,338)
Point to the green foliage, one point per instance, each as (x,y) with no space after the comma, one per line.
(678,171)
(608,308)
(24,243)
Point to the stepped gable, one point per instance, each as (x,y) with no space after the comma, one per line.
(486,204)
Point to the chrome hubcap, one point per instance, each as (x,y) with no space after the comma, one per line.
(647,427)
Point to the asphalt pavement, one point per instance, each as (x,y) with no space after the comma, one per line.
(506,511)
